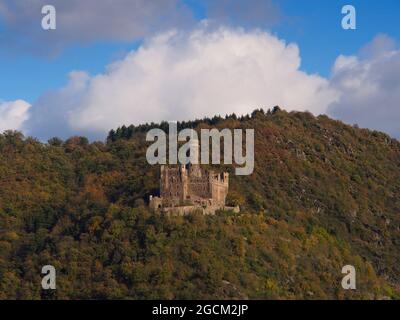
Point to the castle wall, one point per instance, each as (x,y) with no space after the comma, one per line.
(210,210)
(181,186)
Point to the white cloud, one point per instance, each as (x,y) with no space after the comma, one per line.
(179,75)
(50,115)
(13,114)
(370,87)
(187,75)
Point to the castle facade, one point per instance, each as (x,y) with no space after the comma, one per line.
(187,188)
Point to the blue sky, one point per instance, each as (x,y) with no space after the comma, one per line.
(314,25)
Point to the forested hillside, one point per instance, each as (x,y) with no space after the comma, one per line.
(323,195)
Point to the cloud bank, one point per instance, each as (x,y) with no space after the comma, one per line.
(91,21)
(184,75)
(255,13)
(87,21)
(370,87)
(13,114)
(179,75)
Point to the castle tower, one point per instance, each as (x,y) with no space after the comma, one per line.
(163,180)
(184,182)
(194,167)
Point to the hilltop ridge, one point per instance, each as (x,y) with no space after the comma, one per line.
(323,194)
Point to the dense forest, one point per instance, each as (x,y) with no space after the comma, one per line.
(323,195)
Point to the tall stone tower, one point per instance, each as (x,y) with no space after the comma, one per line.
(194,167)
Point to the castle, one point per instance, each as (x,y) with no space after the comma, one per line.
(188,188)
